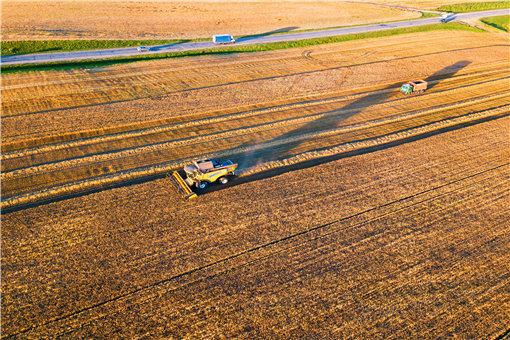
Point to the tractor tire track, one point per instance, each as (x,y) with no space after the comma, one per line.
(172,88)
(190,64)
(304,155)
(60,242)
(7,155)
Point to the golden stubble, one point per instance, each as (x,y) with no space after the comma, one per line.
(179,20)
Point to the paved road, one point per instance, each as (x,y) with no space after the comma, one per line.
(130,51)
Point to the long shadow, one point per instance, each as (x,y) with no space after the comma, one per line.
(261,175)
(162,47)
(447,72)
(330,119)
(449,18)
(255,36)
(314,162)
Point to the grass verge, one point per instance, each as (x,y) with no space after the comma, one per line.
(85,64)
(27,47)
(9,48)
(428,15)
(502,22)
(475,6)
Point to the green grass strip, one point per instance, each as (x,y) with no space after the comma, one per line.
(9,48)
(428,15)
(42,46)
(86,64)
(501,22)
(475,6)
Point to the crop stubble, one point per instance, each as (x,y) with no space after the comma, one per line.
(314,113)
(424,5)
(395,237)
(161,89)
(409,241)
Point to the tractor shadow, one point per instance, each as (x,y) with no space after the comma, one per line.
(330,119)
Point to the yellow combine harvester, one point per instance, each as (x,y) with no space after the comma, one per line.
(202,173)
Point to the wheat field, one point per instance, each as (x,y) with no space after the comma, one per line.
(377,245)
(431,5)
(180,19)
(71,131)
(358,212)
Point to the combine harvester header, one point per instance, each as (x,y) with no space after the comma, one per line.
(182,186)
(201,174)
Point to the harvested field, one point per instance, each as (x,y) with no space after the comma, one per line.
(410,241)
(180,19)
(359,212)
(422,4)
(73,131)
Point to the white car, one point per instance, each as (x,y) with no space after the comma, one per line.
(143,48)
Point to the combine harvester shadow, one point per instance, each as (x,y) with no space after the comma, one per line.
(247,160)
(322,160)
(329,119)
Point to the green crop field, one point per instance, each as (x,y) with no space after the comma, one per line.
(502,22)
(474,7)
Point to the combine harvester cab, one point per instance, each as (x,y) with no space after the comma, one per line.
(416,86)
(202,173)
